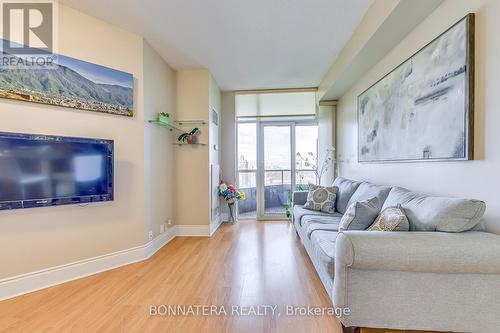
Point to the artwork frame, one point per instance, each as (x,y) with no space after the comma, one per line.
(465,117)
(68,82)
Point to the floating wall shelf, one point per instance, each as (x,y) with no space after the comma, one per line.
(190,122)
(172,127)
(169,126)
(190,144)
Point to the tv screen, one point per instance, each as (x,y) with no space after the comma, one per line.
(42,170)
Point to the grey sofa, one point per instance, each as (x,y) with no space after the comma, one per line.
(443,275)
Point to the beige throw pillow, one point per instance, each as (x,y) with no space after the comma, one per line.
(391,219)
(321,198)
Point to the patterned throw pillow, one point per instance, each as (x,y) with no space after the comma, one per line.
(391,219)
(360,215)
(321,198)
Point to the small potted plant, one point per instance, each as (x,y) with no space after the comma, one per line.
(190,137)
(164,118)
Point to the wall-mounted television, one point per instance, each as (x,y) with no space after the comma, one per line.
(43,170)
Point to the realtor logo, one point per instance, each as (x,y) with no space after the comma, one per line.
(28,31)
(28,27)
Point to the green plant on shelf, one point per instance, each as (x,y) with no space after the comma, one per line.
(163,118)
(190,137)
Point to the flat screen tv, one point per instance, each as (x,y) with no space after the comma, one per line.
(42,170)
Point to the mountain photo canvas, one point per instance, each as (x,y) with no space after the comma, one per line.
(423,109)
(70,83)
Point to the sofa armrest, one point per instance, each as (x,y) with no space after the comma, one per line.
(299,197)
(433,252)
(356,252)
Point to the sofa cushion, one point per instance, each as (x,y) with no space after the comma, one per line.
(323,244)
(346,188)
(315,226)
(367,191)
(391,219)
(360,215)
(299,212)
(321,198)
(429,213)
(331,219)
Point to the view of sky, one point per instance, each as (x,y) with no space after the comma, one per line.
(247,144)
(277,154)
(276,144)
(97,73)
(306,141)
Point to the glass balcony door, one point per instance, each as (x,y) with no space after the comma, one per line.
(276,173)
(274,158)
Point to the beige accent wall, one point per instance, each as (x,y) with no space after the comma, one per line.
(39,238)
(476,179)
(197,91)
(228,137)
(159,177)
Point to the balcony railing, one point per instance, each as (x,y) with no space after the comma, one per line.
(276,190)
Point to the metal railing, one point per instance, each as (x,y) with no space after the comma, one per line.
(275,194)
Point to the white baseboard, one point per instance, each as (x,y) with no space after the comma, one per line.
(29,282)
(160,241)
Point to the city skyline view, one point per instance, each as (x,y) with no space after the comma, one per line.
(277,154)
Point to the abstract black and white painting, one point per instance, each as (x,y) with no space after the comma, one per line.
(423,109)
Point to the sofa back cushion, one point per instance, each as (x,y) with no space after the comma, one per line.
(346,188)
(360,215)
(367,191)
(429,213)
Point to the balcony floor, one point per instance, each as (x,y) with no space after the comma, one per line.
(270,212)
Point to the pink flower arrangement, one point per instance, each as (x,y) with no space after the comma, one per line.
(230,193)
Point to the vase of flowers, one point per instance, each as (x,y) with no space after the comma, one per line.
(231,195)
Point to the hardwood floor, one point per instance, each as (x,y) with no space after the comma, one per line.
(250,263)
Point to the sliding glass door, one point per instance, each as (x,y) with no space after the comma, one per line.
(276,171)
(269,167)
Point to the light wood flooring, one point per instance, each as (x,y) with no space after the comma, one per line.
(250,263)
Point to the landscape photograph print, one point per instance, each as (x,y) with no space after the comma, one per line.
(422,110)
(69,83)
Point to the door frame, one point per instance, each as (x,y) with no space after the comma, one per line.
(259,172)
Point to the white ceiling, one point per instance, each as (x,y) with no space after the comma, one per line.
(246,44)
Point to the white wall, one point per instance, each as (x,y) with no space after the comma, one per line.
(214,101)
(326,137)
(476,179)
(39,238)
